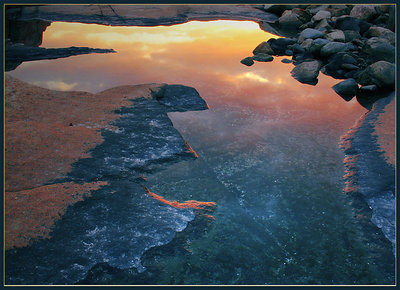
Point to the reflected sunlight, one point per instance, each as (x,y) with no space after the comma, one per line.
(253,76)
(56,85)
(203,55)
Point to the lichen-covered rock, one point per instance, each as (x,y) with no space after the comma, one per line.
(336,35)
(303,15)
(347,89)
(364,12)
(323,14)
(381,32)
(381,74)
(379,48)
(307,72)
(289,20)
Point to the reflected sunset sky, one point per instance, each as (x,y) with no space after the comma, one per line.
(203,55)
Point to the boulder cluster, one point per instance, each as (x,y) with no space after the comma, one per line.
(351,42)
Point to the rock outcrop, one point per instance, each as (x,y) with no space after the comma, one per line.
(17,54)
(64,145)
(355,42)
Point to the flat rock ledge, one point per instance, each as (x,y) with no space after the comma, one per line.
(63,146)
(140,15)
(18,53)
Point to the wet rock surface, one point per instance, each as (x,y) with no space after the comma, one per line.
(112,138)
(370,174)
(119,135)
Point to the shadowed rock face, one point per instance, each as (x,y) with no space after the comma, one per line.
(17,54)
(143,15)
(26,32)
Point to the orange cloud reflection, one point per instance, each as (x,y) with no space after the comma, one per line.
(204,55)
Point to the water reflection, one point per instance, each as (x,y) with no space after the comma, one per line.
(268,153)
(205,55)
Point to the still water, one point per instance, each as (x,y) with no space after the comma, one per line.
(268,156)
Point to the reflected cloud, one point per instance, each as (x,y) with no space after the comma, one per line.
(253,76)
(203,55)
(56,85)
(141,37)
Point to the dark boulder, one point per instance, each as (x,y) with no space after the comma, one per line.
(332,48)
(378,48)
(302,57)
(247,61)
(296,48)
(317,44)
(381,74)
(263,57)
(307,72)
(377,31)
(334,67)
(310,33)
(280,45)
(179,98)
(347,89)
(347,23)
(263,47)
(285,60)
(350,35)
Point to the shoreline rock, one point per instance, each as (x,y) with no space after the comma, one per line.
(140,15)
(350,42)
(17,54)
(74,143)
